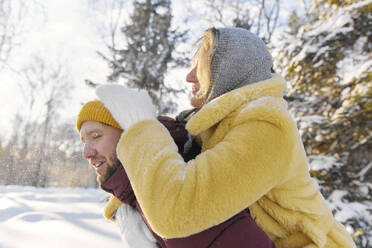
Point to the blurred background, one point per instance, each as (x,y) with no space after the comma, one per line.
(53,54)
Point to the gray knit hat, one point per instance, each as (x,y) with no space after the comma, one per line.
(240,58)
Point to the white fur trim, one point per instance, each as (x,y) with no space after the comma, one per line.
(133,230)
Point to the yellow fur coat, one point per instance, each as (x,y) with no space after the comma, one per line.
(252,156)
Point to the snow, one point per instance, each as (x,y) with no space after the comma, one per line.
(358,5)
(54,217)
(322,162)
(349,210)
(325,30)
(355,64)
(364,171)
(307,48)
(337,24)
(308,121)
(63,217)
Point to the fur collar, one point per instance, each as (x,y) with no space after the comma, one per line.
(217,109)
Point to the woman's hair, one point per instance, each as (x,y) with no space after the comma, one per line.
(228,59)
(203,59)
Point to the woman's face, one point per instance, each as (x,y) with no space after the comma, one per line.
(195,100)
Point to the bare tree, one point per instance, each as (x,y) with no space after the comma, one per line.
(108,16)
(9,157)
(12,23)
(258,16)
(46,88)
(306,6)
(8,29)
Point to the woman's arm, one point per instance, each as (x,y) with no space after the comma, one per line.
(180,199)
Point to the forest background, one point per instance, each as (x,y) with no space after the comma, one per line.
(322,47)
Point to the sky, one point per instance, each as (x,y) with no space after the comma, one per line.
(65,31)
(61,34)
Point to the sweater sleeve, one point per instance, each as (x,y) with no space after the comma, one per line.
(180,199)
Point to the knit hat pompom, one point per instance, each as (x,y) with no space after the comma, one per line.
(95,111)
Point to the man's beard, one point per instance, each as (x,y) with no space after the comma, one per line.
(112,166)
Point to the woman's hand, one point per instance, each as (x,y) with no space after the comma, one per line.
(127,106)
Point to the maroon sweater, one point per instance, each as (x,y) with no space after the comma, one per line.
(238,231)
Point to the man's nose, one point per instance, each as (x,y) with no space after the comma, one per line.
(191,77)
(88,151)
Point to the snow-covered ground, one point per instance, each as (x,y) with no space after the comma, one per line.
(63,217)
(53,218)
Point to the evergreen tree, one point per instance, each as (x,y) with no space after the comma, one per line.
(328,61)
(150,43)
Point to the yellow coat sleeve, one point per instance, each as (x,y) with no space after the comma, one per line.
(110,209)
(180,199)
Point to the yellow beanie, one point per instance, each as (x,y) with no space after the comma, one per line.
(95,111)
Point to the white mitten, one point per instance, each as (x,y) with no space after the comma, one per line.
(133,229)
(127,106)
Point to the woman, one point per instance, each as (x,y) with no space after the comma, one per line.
(252,155)
(238,231)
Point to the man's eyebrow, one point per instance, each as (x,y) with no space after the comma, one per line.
(96,130)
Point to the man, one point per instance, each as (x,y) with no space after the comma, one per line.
(100,134)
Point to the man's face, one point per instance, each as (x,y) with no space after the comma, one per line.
(100,142)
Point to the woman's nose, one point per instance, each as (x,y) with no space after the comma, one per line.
(191,77)
(88,151)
